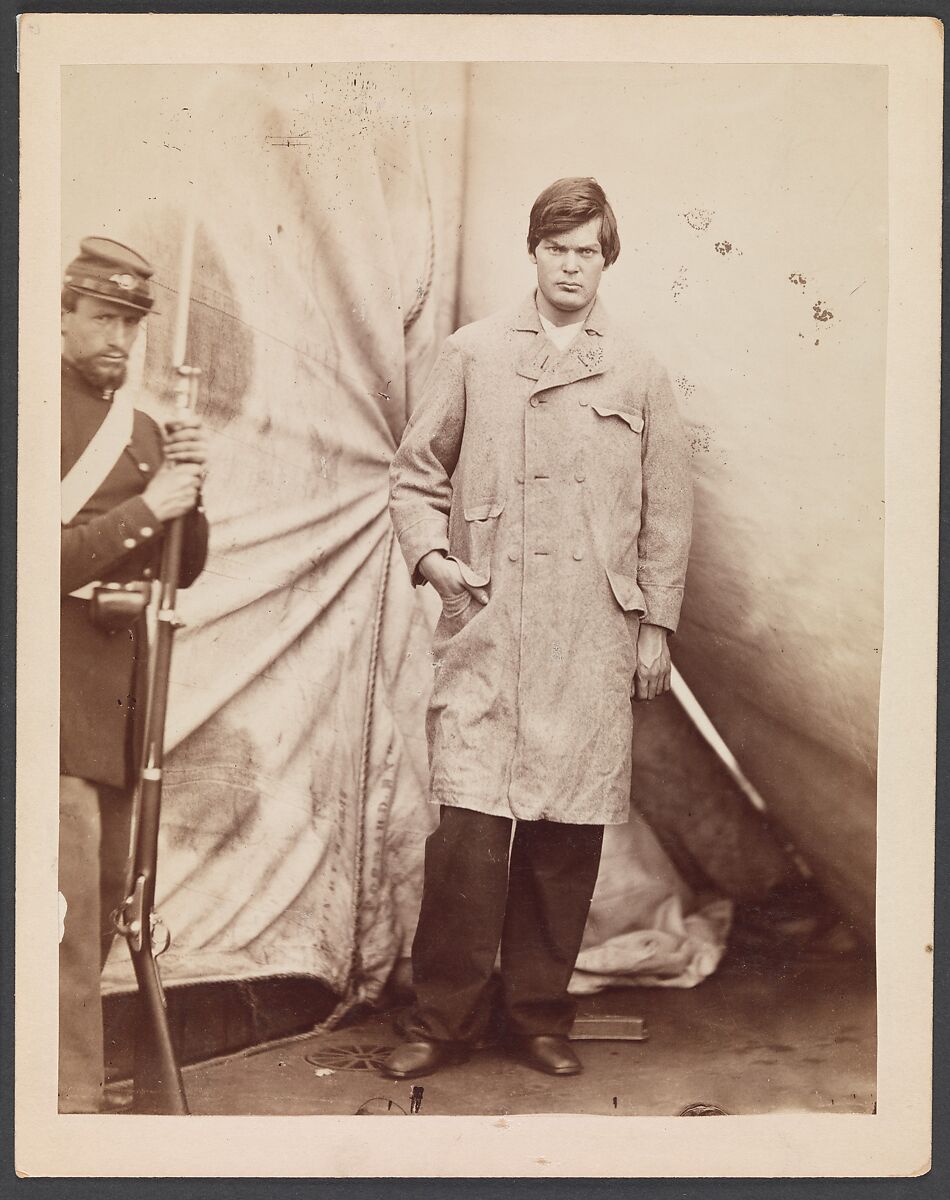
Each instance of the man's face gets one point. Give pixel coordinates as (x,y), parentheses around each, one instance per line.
(569,270)
(97,338)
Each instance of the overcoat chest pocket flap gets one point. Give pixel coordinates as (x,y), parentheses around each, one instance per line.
(633,420)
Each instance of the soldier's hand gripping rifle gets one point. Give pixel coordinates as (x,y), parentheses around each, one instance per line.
(158,1085)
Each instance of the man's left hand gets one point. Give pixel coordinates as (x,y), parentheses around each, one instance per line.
(185,440)
(652,677)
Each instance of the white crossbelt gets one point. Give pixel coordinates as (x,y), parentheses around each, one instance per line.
(85,593)
(97,460)
(88,591)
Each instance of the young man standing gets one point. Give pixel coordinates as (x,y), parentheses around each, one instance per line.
(543,488)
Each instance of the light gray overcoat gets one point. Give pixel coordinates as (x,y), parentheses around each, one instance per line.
(561,484)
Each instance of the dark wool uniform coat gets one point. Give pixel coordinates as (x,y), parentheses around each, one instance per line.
(560,482)
(113,538)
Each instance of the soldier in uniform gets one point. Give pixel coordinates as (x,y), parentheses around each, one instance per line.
(122,479)
(543,488)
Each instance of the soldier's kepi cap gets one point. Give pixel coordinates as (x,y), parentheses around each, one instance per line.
(111,271)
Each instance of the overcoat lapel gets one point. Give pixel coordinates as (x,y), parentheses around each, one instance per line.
(586,357)
(535,350)
(540,361)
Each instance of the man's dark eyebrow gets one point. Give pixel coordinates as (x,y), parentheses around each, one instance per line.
(560,245)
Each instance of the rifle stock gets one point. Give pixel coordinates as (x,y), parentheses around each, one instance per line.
(158,1086)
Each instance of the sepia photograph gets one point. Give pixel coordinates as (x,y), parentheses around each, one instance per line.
(474,547)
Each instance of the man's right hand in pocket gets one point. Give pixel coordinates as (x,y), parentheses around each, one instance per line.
(445,575)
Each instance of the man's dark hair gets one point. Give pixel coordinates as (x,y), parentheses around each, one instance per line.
(570,202)
(67,301)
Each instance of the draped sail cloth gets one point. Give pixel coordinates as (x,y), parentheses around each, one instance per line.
(295,803)
(645,925)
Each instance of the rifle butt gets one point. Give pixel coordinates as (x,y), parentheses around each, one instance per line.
(157,1082)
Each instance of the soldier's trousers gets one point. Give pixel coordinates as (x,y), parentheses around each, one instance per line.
(94,822)
(532,903)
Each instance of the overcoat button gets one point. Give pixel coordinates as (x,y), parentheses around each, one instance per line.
(513,554)
(129,543)
(534,402)
(519,478)
(146,531)
(578,555)
(580,476)
(144,467)
(583,402)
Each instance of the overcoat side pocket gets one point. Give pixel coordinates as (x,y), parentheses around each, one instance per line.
(627,592)
(474,540)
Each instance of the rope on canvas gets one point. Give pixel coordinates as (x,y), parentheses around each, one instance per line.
(352,993)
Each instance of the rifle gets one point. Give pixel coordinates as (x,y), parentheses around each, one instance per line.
(157,1086)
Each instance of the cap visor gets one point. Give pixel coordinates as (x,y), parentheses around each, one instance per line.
(142,308)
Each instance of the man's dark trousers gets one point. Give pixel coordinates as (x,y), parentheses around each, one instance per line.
(473,900)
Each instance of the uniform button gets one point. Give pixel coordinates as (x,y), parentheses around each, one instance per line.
(519,478)
(147,573)
(579,476)
(578,555)
(583,402)
(534,402)
(144,467)
(146,531)
(129,543)
(513,554)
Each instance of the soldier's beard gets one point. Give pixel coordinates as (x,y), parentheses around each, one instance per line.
(108,376)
